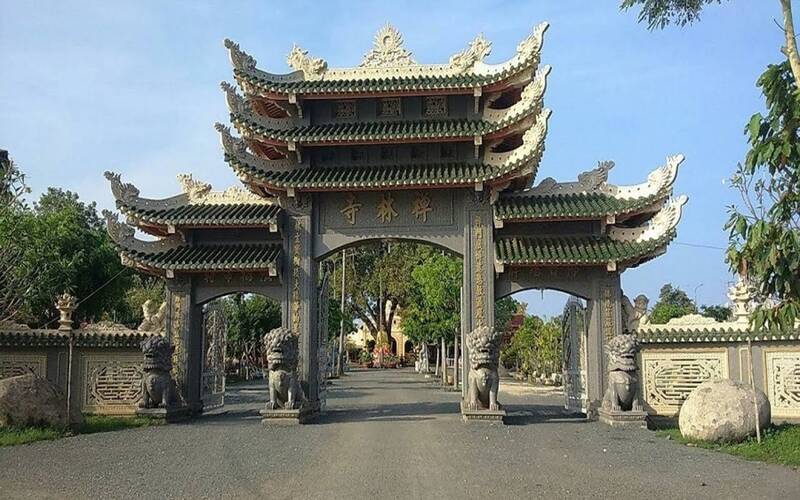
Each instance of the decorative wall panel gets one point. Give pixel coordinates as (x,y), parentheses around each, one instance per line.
(669,376)
(783,382)
(111,382)
(14,364)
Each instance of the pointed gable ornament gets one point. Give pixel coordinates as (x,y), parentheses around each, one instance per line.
(388,50)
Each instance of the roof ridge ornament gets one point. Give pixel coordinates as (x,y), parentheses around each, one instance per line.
(664,221)
(239,58)
(236,103)
(476,52)
(313,68)
(192,187)
(232,145)
(533,43)
(124,192)
(122,235)
(588,181)
(388,50)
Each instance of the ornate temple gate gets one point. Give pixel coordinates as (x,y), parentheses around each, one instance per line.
(214,346)
(574,336)
(407,152)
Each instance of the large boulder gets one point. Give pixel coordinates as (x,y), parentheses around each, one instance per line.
(30,400)
(722,410)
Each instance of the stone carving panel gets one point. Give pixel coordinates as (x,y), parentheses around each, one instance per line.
(434,106)
(14,364)
(783,382)
(112,382)
(669,376)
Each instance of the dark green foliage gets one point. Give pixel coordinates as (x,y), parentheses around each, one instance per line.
(719,313)
(433,310)
(61,245)
(249,317)
(504,309)
(12,182)
(659,14)
(672,303)
(142,288)
(765,231)
(535,347)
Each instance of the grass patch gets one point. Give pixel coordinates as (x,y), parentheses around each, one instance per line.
(11,436)
(103,423)
(780,444)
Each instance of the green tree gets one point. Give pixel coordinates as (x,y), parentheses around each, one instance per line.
(535,347)
(764,232)
(61,245)
(249,317)
(504,310)
(433,308)
(378,275)
(719,313)
(142,288)
(12,182)
(672,303)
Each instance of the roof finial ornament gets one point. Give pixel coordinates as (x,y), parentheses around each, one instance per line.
(239,58)
(236,104)
(124,192)
(477,51)
(192,187)
(388,50)
(119,231)
(230,144)
(533,44)
(312,67)
(664,221)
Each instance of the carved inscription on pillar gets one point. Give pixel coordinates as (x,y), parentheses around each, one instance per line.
(297,266)
(480,270)
(176,329)
(608,313)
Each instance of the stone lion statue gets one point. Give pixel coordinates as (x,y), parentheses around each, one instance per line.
(623,379)
(280,347)
(483,381)
(158,387)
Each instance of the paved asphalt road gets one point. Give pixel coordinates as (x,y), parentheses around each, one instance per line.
(387,434)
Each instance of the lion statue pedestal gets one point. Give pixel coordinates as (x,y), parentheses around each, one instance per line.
(287,403)
(160,397)
(483,381)
(622,405)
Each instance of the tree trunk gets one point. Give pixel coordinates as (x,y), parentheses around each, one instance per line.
(444,363)
(790,50)
(438,358)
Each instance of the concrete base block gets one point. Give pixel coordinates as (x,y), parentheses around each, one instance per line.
(169,415)
(623,418)
(489,416)
(287,417)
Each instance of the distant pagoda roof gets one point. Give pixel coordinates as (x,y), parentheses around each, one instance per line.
(388,68)
(171,254)
(619,245)
(590,197)
(197,206)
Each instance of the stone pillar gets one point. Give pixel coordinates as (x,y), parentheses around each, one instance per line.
(477,305)
(300,303)
(605,322)
(184,330)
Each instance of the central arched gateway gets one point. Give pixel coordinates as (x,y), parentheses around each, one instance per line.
(392,149)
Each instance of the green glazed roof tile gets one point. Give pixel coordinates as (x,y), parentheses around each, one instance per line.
(223,257)
(572,205)
(573,250)
(240,214)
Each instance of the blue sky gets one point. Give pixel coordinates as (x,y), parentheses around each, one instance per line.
(133,87)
